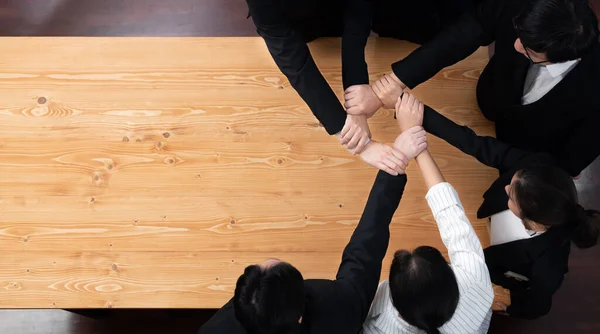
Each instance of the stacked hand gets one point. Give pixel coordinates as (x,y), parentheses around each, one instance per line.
(412,142)
(355,134)
(384,157)
(409,112)
(361,100)
(388,88)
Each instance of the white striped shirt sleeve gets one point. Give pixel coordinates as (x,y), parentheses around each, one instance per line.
(464,248)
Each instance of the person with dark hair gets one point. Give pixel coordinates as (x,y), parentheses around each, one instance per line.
(539,87)
(273,297)
(424,293)
(534,215)
(287,26)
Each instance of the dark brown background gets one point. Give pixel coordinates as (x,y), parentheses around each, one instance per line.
(576,306)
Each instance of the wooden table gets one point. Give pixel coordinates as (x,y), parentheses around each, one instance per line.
(148,172)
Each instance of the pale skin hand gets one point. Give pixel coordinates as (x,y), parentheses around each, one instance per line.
(361,100)
(388,89)
(384,157)
(355,133)
(412,142)
(409,111)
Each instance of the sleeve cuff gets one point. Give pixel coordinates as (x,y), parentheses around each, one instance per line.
(442,196)
(401,71)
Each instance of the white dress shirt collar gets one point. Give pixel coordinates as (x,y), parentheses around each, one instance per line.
(559,69)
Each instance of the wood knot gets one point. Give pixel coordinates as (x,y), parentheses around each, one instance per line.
(25,239)
(232,222)
(166,135)
(28,270)
(126,139)
(279,161)
(114,267)
(280,87)
(92,200)
(109,305)
(109,166)
(42,100)
(340,205)
(170,161)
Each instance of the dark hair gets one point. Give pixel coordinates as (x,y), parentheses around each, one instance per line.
(547,195)
(269,301)
(563,29)
(423,288)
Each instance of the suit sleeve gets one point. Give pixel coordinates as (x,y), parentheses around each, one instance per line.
(487,150)
(474,29)
(293,58)
(357,28)
(582,147)
(360,268)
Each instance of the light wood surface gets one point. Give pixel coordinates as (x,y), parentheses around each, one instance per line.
(148,172)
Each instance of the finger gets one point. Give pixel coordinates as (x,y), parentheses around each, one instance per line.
(360,147)
(396,166)
(402,159)
(406,101)
(351,89)
(351,103)
(350,94)
(421,139)
(411,101)
(386,79)
(347,127)
(351,145)
(399,103)
(386,169)
(354,110)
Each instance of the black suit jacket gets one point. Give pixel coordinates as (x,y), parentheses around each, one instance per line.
(543,259)
(562,123)
(286,26)
(341,305)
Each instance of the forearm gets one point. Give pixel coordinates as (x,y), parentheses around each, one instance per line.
(362,257)
(429,168)
(357,27)
(450,46)
(293,58)
(487,150)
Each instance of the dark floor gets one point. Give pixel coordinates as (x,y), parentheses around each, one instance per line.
(575,310)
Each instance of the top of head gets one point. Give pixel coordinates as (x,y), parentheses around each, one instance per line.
(269,300)
(562,29)
(423,288)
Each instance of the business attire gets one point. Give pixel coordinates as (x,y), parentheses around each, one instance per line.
(416,21)
(473,312)
(286,27)
(341,305)
(553,109)
(531,268)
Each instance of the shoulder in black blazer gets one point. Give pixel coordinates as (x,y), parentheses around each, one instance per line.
(341,305)
(543,259)
(563,123)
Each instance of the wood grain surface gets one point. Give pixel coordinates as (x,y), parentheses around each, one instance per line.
(147,172)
